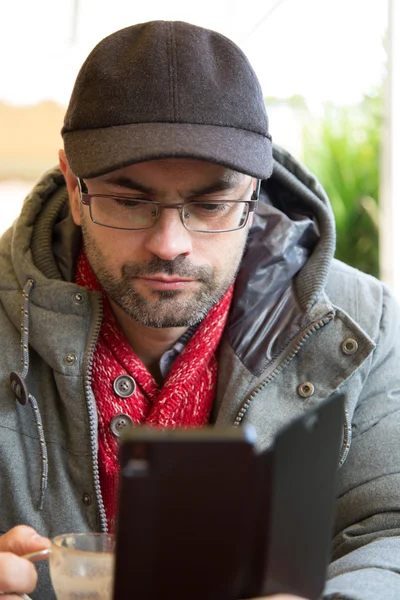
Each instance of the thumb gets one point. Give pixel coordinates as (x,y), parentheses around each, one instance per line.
(23,540)
(279,597)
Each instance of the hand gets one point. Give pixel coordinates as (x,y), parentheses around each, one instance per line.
(285,597)
(18,574)
(280,597)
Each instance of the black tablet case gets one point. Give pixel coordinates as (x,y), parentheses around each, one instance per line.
(203,516)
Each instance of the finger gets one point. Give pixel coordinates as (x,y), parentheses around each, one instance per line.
(278,597)
(285,597)
(14,596)
(16,574)
(22,540)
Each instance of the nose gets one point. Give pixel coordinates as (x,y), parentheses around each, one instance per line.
(168,238)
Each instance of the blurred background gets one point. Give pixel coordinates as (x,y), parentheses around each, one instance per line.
(328,70)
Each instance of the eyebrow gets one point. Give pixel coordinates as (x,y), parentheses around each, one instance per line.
(127,183)
(228,181)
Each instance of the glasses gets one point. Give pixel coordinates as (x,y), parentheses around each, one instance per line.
(202,215)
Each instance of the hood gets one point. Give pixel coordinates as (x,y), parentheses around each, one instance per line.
(282,274)
(34,258)
(284,269)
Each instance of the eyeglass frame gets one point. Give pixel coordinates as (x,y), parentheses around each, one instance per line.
(86,199)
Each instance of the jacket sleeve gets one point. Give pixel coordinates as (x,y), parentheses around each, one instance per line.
(366,545)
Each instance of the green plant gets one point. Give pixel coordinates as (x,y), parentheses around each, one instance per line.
(343,151)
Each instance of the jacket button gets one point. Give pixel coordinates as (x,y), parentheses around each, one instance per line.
(78,298)
(349,346)
(19,388)
(119,423)
(70,359)
(124,386)
(87,499)
(306,389)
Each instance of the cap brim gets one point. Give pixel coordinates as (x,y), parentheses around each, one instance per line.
(94,152)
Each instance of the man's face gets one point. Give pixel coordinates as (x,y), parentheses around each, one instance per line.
(165,276)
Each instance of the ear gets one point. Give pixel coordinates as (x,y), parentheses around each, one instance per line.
(72,187)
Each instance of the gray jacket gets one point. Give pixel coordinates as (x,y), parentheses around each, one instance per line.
(298,316)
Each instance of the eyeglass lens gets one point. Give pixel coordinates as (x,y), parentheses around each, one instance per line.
(197,216)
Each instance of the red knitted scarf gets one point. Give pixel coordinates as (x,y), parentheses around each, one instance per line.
(185,399)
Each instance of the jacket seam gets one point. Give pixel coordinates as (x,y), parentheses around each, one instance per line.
(53,442)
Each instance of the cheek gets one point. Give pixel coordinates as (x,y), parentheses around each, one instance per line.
(77,210)
(113,247)
(224,251)
(98,241)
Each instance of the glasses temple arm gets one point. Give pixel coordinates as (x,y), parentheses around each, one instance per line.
(82,186)
(256,193)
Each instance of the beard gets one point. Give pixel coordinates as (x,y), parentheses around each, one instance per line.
(172,308)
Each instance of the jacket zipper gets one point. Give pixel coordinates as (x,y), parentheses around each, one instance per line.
(298,343)
(346,438)
(91,404)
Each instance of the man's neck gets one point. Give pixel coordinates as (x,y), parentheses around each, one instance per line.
(149,343)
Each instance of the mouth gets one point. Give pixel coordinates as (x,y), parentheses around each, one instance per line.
(165,282)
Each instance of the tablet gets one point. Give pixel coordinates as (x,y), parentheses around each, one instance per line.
(203,516)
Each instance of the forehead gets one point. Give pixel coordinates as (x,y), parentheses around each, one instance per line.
(175,172)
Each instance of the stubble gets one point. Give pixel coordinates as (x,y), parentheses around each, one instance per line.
(163,308)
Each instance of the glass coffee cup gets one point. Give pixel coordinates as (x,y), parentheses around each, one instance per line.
(81,565)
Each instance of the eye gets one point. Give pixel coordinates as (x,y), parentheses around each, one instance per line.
(212,207)
(128,203)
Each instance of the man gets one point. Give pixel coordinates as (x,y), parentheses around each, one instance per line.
(152,281)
